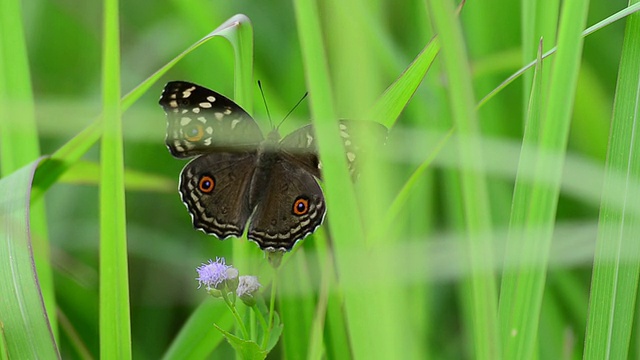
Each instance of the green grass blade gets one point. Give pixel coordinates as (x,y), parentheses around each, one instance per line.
(343,214)
(591,29)
(115,319)
(520,320)
(66,156)
(617,259)
(25,326)
(19,144)
(517,250)
(474,189)
(388,107)
(198,338)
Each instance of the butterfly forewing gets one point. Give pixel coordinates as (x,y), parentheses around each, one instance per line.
(201,121)
(357,137)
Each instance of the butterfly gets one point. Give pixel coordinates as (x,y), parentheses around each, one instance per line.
(239,177)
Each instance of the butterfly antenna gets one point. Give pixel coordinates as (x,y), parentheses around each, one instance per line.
(264,100)
(289,113)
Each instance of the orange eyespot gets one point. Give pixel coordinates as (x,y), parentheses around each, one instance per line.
(301,206)
(206,184)
(194,132)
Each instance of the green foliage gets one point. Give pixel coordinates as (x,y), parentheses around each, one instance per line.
(517,187)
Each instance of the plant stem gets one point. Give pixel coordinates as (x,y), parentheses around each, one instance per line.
(274,285)
(232,307)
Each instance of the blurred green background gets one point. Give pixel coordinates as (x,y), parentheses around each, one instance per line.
(64,45)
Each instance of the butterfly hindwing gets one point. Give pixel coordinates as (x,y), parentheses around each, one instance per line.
(200,120)
(215,188)
(290,206)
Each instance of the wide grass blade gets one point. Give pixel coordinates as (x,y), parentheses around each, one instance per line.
(19,144)
(198,338)
(614,285)
(25,325)
(522,294)
(475,201)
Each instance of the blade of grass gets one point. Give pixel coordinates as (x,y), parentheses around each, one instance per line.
(591,29)
(63,158)
(388,107)
(197,338)
(19,143)
(617,259)
(516,250)
(115,319)
(343,215)
(24,323)
(522,300)
(473,183)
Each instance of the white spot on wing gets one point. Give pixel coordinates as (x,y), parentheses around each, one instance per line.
(309,140)
(351,156)
(187,92)
(205,105)
(173,103)
(211,98)
(234,123)
(185,121)
(343,127)
(196,110)
(202,119)
(218,115)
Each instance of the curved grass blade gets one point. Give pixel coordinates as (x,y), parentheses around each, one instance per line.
(19,144)
(23,318)
(60,161)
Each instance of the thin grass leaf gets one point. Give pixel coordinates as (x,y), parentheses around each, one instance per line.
(591,29)
(88,173)
(388,107)
(517,250)
(520,313)
(115,320)
(473,183)
(612,305)
(24,322)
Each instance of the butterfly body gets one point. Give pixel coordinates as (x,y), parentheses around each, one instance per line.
(238,179)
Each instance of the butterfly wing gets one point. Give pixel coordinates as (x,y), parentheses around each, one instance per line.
(215,188)
(291,206)
(356,136)
(200,121)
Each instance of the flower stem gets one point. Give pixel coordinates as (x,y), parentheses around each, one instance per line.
(274,285)
(232,307)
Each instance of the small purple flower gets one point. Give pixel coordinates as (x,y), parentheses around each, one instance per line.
(247,286)
(212,274)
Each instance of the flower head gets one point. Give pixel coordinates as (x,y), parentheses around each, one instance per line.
(212,274)
(247,286)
